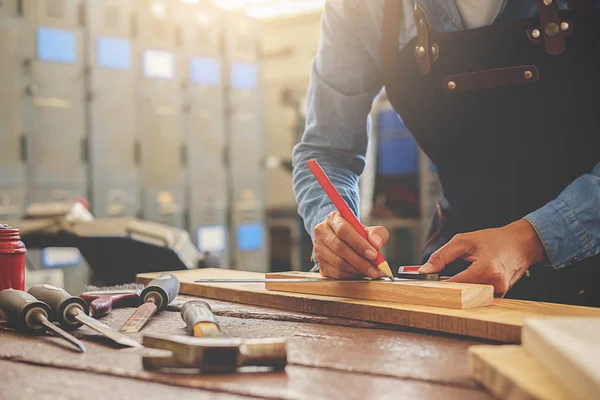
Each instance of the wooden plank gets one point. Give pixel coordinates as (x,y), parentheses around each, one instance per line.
(425,293)
(569,349)
(501,321)
(510,373)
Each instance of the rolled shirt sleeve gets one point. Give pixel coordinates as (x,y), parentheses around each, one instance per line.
(345,78)
(569,226)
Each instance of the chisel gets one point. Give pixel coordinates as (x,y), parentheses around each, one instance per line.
(154,298)
(200,320)
(71,312)
(25,313)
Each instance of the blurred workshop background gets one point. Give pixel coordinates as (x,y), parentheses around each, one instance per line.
(183,113)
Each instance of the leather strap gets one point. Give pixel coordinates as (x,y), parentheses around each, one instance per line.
(423,50)
(389,41)
(554,38)
(491,78)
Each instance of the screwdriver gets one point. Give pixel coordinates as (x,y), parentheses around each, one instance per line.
(25,313)
(200,320)
(71,312)
(154,298)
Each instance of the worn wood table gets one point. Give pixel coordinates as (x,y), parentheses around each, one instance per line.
(329,358)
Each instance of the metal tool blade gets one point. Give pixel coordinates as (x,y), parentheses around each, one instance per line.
(65,335)
(138,319)
(106,330)
(401,277)
(259,280)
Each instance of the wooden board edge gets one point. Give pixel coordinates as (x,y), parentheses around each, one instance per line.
(487,367)
(352,309)
(466,297)
(496,383)
(540,345)
(479,296)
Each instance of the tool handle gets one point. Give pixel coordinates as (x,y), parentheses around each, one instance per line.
(194,312)
(339,203)
(165,287)
(101,305)
(263,353)
(62,304)
(19,306)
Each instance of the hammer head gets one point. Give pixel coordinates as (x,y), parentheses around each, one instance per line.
(214,354)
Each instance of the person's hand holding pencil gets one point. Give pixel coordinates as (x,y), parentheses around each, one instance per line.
(344,247)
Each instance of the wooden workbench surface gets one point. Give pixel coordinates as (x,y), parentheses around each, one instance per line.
(329,358)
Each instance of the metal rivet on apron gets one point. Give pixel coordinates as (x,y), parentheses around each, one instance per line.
(451,85)
(420,51)
(535,33)
(528,273)
(582,292)
(433,50)
(552,29)
(527,74)
(547,2)
(564,26)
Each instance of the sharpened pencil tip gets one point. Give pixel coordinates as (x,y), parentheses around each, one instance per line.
(385,268)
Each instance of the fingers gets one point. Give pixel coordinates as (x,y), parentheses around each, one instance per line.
(338,258)
(455,248)
(331,271)
(377,235)
(485,273)
(344,231)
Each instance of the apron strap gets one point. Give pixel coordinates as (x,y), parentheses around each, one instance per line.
(392,12)
(554,38)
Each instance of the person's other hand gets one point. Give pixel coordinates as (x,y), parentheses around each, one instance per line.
(499,256)
(342,253)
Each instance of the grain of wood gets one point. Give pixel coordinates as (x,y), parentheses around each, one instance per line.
(501,321)
(425,293)
(569,348)
(510,373)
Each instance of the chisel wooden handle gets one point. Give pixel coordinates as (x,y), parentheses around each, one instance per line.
(196,312)
(164,288)
(102,304)
(61,303)
(18,306)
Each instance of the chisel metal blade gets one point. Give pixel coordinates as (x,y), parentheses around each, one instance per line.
(138,319)
(107,331)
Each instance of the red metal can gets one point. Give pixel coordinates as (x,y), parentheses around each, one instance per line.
(12,259)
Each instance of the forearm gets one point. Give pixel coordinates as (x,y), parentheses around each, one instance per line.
(569,226)
(343,170)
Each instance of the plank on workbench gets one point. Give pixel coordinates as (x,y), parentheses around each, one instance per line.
(425,293)
(501,321)
(569,349)
(510,373)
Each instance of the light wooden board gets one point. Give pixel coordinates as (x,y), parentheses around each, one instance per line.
(501,321)
(569,349)
(510,373)
(424,293)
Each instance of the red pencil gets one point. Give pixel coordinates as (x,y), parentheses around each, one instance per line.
(347,214)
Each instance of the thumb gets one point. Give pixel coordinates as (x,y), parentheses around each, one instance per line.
(377,235)
(452,250)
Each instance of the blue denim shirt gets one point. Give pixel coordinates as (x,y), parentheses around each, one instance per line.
(346,75)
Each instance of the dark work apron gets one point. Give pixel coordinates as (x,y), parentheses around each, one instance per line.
(510,115)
